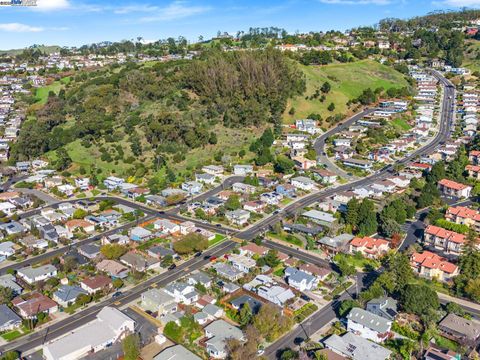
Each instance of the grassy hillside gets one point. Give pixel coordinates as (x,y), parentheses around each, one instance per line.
(347,82)
(472,55)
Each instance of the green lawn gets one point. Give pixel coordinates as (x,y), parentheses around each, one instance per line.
(401,124)
(347,82)
(357,261)
(11,335)
(217,240)
(287,238)
(41,94)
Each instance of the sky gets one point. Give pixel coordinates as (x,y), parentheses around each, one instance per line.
(79,22)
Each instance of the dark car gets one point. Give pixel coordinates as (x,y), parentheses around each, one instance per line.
(206,257)
(218,225)
(171,267)
(116,294)
(198,254)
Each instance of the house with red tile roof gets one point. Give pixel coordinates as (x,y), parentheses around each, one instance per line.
(449,241)
(474,157)
(473,171)
(369,247)
(464,215)
(433,266)
(420,166)
(453,188)
(32,304)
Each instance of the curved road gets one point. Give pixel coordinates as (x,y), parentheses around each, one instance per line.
(319,144)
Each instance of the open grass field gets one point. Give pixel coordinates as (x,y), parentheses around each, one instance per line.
(347,82)
(401,124)
(41,95)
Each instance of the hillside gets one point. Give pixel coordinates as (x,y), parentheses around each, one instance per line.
(347,82)
(42,48)
(144,121)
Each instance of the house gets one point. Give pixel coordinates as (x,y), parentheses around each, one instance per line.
(303,183)
(200,278)
(356,347)
(307,125)
(335,245)
(385,307)
(82,183)
(205,178)
(369,247)
(31,275)
(368,325)
(464,215)
(320,273)
(115,239)
(432,266)
(90,251)
(218,332)
(239,302)
(110,326)
(275,294)
(140,234)
(474,157)
(192,187)
(287,190)
(462,330)
(300,280)
(182,292)
(238,217)
(113,268)
(166,226)
(113,183)
(34,303)
(320,217)
(158,301)
(140,262)
(7,208)
(79,224)
(242,263)
(216,170)
(473,171)
(177,352)
(242,170)
(9,281)
(453,188)
(228,272)
(67,295)
(186,227)
(7,248)
(325,176)
(244,188)
(434,353)
(255,206)
(160,252)
(253,249)
(155,200)
(66,189)
(385,186)
(12,228)
(358,163)
(445,240)
(9,320)
(96,283)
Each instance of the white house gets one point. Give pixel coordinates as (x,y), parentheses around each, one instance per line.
(303,183)
(110,326)
(368,325)
(182,292)
(242,170)
(300,280)
(32,275)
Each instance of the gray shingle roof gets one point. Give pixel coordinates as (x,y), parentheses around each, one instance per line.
(369,320)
